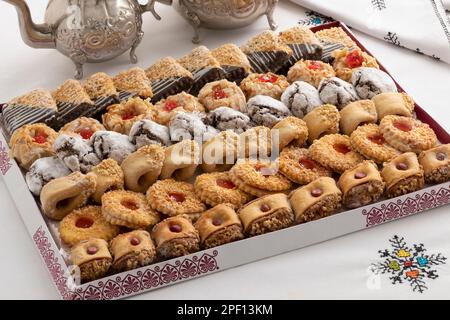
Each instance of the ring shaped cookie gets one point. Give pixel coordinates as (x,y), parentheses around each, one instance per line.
(181,160)
(109,177)
(290,130)
(219,153)
(322,121)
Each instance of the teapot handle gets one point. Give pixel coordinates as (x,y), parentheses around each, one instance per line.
(150,6)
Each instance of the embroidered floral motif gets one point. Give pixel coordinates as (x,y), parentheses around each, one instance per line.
(314,19)
(379,4)
(392,37)
(408,264)
(5,161)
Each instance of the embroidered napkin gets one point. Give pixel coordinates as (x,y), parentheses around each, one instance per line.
(419,25)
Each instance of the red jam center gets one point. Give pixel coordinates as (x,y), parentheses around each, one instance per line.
(313,65)
(135,241)
(402,166)
(341,148)
(177,197)
(92,250)
(84,222)
(403,126)
(174,227)
(219,93)
(268,78)
(86,133)
(227,184)
(360,175)
(40,138)
(129,204)
(377,139)
(354,59)
(441,156)
(264,207)
(217,221)
(128,116)
(170,105)
(307,163)
(316,193)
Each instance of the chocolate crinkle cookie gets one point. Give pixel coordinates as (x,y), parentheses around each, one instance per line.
(76,153)
(301,98)
(44,170)
(369,82)
(145,132)
(337,92)
(225,118)
(190,125)
(112,145)
(266,111)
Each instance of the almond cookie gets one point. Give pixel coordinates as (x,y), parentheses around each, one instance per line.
(175,237)
(100,88)
(217,187)
(143,167)
(180,160)
(92,257)
(61,196)
(84,127)
(128,209)
(316,200)
(266,214)
(334,152)
(407,134)
(266,84)
(369,82)
(219,153)
(345,61)
(361,185)
(255,143)
(167,108)
(310,71)
(133,82)
(322,121)
(393,103)
(85,223)
(218,226)
(436,164)
(109,176)
(259,178)
(290,130)
(233,61)
(357,113)
(369,141)
(296,165)
(403,175)
(222,93)
(132,250)
(31,142)
(173,198)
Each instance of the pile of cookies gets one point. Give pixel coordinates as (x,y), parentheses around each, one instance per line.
(287,129)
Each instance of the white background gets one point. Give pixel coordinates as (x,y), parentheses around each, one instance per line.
(334,269)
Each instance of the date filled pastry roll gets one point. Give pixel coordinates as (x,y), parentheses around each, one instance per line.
(403,175)
(393,103)
(175,237)
(346,61)
(109,176)
(361,185)
(290,130)
(218,226)
(333,39)
(100,88)
(357,113)
(266,214)
(316,200)
(322,121)
(436,164)
(233,61)
(92,257)
(268,84)
(220,153)
(132,83)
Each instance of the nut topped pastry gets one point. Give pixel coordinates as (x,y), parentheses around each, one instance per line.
(356,113)
(436,164)
(345,61)
(268,84)
(310,71)
(167,108)
(222,93)
(100,88)
(109,176)
(133,82)
(321,121)
(233,61)
(84,127)
(393,103)
(333,39)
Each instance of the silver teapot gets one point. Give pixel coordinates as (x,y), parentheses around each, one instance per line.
(87,30)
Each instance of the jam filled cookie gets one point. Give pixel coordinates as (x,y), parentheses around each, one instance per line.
(296,165)
(322,121)
(289,130)
(121,117)
(357,113)
(255,143)
(76,153)
(44,170)
(100,88)
(181,160)
(337,92)
(222,93)
(190,126)
(266,214)
(85,223)
(334,152)
(316,200)
(61,196)
(84,127)
(233,61)
(259,178)
(92,257)
(333,39)
(133,82)
(216,188)
(113,145)
(266,111)
(267,84)
(345,61)
(436,164)
(224,118)
(132,250)
(167,108)
(218,226)
(128,209)
(361,185)
(31,142)
(109,176)
(175,237)
(220,153)
(173,198)
(168,77)
(310,71)
(369,82)
(146,132)
(403,175)
(301,98)
(143,167)
(407,134)
(393,103)
(369,141)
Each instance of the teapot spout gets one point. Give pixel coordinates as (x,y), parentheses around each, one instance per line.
(34,35)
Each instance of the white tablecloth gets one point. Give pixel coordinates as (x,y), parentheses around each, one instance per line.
(334,269)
